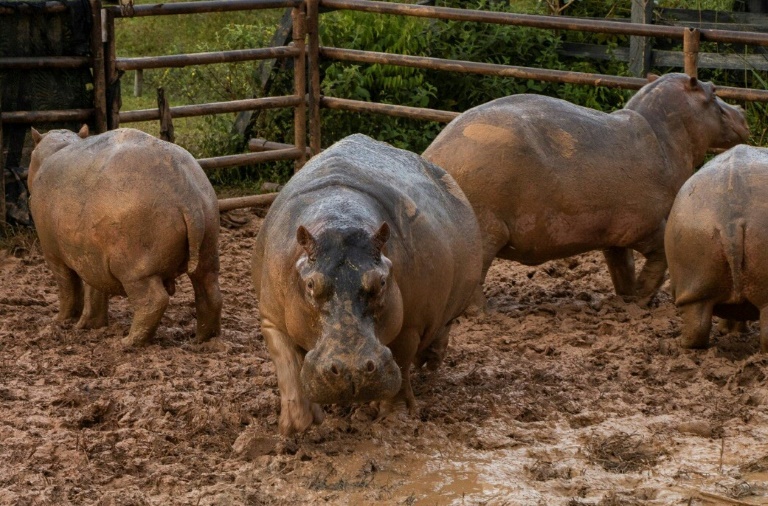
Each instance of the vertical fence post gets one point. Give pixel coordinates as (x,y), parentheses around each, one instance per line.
(640,47)
(138,83)
(97,64)
(300,83)
(112,77)
(691,39)
(2,176)
(166,121)
(314,75)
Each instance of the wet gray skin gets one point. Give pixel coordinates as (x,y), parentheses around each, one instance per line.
(346,278)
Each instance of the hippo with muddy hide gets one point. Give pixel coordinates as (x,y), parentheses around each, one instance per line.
(717,245)
(364,259)
(549,179)
(124,213)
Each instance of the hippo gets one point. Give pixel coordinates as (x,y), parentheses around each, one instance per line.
(363,261)
(124,213)
(549,179)
(717,245)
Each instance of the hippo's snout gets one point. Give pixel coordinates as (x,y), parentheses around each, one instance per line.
(330,377)
(736,126)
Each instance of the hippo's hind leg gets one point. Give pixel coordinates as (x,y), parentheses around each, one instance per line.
(95,309)
(621,265)
(296,412)
(764,330)
(149,299)
(652,275)
(70,290)
(697,322)
(726,326)
(207,304)
(432,355)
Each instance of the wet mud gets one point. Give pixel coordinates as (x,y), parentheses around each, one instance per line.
(561,393)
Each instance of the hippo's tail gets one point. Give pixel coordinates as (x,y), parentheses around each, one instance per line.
(732,240)
(195,221)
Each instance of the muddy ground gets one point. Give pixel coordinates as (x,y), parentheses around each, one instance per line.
(560,394)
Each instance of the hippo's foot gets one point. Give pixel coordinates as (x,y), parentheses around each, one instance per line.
(91,322)
(297,416)
(645,302)
(726,327)
(64,318)
(386,407)
(131,341)
(477,303)
(697,322)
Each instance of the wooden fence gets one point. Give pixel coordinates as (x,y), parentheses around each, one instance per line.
(306,52)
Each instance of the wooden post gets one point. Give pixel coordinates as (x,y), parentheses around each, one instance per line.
(300,84)
(138,83)
(691,39)
(314,75)
(166,121)
(640,47)
(112,76)
(2,177)
(97,64)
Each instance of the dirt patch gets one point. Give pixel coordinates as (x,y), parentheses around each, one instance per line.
(556,371)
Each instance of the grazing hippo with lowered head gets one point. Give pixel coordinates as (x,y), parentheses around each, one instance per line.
(717,244)
(364,259)
(549,179)
(126,214)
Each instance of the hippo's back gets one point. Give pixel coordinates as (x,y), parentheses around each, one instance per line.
(432,222)
(414,194)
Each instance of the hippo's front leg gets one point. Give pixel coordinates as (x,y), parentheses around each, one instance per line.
(403,349)
(95,310)
(296,412)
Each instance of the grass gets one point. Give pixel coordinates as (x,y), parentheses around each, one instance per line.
(190,33)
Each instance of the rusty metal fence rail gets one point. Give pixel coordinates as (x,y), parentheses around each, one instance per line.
(306,52)
(691,38)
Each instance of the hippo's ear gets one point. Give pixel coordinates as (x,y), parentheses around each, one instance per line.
(83,133)
(652,77)
(692,83)
(307,242)
(36,136)
(381,236)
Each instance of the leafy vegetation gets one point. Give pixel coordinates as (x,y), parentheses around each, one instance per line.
(527,47)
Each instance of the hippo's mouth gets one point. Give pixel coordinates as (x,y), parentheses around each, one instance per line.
(346,390)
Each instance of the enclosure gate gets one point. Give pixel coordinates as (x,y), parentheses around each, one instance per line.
(306,51)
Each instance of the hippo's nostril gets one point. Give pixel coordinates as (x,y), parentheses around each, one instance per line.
(334,370)
(370,366)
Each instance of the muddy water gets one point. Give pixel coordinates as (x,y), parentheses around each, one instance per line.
(560,394)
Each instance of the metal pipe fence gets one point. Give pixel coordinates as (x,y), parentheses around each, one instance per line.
(306,52)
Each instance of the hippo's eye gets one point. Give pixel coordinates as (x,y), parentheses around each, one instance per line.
(311,285)
(383,282)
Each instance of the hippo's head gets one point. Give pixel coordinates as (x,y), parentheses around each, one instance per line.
(347,279)
(691,109)
(49,143)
